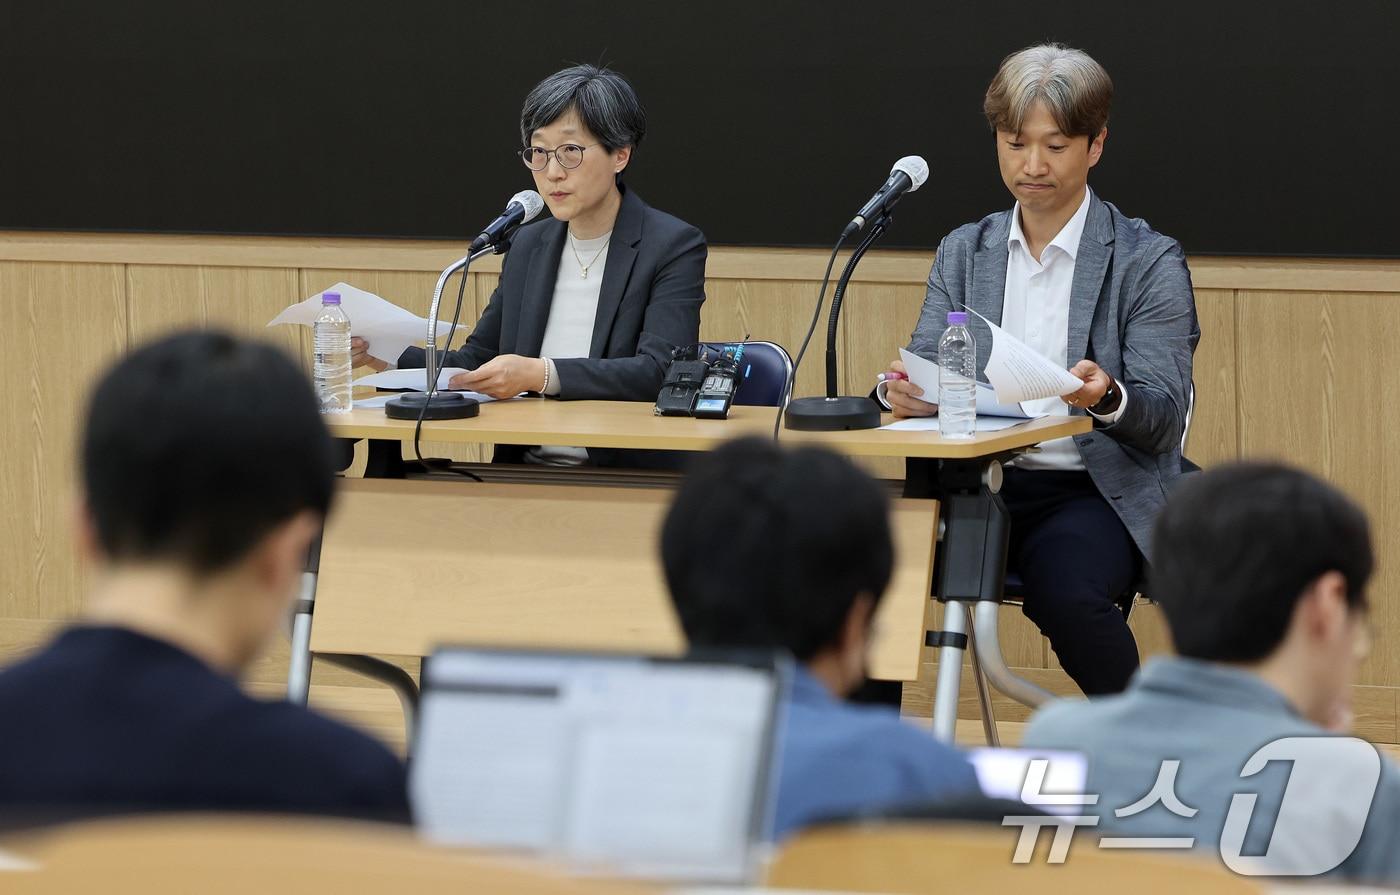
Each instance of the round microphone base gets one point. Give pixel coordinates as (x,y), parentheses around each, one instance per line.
(440,406)
(832,414)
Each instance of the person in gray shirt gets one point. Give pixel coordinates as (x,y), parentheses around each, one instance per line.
(1235,745)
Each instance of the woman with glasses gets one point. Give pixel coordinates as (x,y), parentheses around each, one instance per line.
(592,303)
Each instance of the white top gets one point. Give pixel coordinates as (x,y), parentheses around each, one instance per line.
(1035,309)
(569,330)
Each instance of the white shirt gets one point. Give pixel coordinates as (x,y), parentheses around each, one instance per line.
(1035,309)
(569,330)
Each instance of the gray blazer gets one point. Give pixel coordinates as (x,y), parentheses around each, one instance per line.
(1132,312)
(1211,718)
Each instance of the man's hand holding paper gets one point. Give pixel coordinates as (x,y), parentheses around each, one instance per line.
(1020,373)
(907,398)
(1096,383)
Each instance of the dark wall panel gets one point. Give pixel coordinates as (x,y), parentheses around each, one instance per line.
(1239,128)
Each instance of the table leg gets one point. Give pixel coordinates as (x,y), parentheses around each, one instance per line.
(299,665)
(970,563)
(953,642)
(385,460)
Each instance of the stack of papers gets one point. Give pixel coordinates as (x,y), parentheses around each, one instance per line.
(388,328)
(1020,373)
(413,380)
(1016,373)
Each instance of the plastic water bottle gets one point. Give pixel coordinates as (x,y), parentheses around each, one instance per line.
(331,337)
(957,379)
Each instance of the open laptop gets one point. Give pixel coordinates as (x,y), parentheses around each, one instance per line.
(659,768)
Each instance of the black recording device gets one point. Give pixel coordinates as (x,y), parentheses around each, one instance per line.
(717,391)
(701,382)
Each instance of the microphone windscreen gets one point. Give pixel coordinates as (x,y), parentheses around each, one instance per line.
(532,203)
(915,167)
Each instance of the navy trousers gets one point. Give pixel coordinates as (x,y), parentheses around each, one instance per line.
(1076,560)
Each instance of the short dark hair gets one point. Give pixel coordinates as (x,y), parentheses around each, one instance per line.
(199,444)
(606,104)
(769,547)
(1236,547)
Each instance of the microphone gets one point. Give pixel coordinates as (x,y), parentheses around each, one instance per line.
(523,206)
(907,175)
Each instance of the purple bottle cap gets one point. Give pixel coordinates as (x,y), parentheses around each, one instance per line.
(333,298)
(957,318)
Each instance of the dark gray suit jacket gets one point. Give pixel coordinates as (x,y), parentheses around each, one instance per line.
(649,303)
(1132,312)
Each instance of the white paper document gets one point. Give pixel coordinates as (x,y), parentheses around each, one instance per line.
(924,374)
(375,402)
(410,378)
(388,328)
(930,424)
(1020,373)
(413,379)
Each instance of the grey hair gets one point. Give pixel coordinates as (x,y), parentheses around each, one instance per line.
(606,104)
(1074,88)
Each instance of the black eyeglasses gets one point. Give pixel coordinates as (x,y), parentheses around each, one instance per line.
(569,155)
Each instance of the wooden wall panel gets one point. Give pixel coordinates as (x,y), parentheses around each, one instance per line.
(777,310)
(879,319)
(62,324)
(1214,436)
(1318,388)
(1298,375)
(162,299)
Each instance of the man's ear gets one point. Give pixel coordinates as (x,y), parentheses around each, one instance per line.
(1096,147)
(1323,610)
(856,629)
(281,555)
(84,527)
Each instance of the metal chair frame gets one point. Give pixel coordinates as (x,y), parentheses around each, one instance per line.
(989,668)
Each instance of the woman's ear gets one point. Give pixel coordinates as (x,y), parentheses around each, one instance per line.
(620,159)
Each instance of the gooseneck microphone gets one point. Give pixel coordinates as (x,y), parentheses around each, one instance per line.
(522,208)
(907,175)
(834,412)
(430,403)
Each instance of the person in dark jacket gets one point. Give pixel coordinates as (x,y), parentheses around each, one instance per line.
(592,302)
(206,472)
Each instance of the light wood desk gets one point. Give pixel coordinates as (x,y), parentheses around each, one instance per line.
(631,424)
(215,854)
(408,565)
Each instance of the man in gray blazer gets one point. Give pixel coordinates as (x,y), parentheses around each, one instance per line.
(1110,299)
(1261,571)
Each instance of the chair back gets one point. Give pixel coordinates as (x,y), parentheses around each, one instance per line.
(918,858)
(766,369)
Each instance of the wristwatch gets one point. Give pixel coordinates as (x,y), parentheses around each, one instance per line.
(1110,400)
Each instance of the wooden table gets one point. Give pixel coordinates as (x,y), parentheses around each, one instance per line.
(631,424)
(407,565)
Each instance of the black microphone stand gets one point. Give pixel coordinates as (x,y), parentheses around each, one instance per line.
(432,404)
(834,413)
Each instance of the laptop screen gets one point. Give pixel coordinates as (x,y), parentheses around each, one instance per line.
(1051,780)
(659,768)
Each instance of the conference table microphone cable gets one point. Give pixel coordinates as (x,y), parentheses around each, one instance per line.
(816,316)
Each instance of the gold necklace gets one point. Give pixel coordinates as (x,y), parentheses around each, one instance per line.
(583,268)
